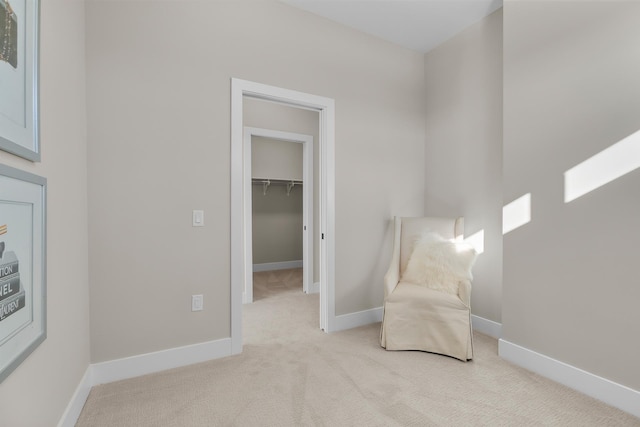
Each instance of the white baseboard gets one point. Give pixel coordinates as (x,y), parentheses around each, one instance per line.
(486,326)
(74,408)
(614,394)
(269,266)
(361,318)
(315,288)
(354,320)
(135,366)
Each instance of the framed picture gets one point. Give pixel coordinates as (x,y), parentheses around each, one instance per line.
(23,316)
(19,22)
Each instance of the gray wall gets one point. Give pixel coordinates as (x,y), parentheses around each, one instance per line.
(38,391)
(277,216)
(277,225)
(159,147)
(463,152)
(571,89)
(276,159)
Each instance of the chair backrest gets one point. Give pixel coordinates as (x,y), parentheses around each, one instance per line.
(413,228)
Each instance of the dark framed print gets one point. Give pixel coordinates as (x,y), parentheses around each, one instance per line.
(19,43)
(23,316)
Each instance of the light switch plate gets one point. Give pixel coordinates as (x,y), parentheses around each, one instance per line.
(197,302)
(198,218)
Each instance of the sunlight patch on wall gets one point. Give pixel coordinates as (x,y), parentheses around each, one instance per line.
(477,241)
(602,168)
(516,214)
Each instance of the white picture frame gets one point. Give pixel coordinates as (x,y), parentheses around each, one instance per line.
(19,73)
(23,314)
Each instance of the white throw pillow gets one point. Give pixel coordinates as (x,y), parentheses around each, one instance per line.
(439,264)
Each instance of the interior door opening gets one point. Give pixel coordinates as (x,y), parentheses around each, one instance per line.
(241,90)
(275,167)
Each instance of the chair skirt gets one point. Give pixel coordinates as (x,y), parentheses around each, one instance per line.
(419,318)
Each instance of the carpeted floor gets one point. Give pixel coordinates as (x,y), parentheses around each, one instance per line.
(292,374)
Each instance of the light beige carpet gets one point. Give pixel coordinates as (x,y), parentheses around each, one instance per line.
(292,374)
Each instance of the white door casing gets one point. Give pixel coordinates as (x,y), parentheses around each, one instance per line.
(326,108)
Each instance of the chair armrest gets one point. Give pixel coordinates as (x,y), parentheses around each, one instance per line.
(464,292)
(391,279)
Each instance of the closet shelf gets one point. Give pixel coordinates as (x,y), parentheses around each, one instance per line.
(266,182)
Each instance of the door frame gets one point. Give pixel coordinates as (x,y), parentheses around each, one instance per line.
(326,109)
(307,205)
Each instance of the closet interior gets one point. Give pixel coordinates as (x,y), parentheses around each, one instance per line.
(277,204)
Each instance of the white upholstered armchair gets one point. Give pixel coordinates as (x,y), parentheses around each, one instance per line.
(427,317)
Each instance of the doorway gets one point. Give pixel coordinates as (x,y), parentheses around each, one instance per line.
(326,109)
(266,180)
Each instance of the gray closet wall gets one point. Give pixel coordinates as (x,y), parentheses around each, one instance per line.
(277,214)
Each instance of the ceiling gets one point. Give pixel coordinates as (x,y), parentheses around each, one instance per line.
(419,25)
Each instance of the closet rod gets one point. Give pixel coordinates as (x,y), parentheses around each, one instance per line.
(290,183)
(276,181)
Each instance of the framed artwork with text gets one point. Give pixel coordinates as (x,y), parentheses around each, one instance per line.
(19,41)
(23,316)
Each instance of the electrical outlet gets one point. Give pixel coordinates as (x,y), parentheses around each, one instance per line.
(198,218)
(197,302)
